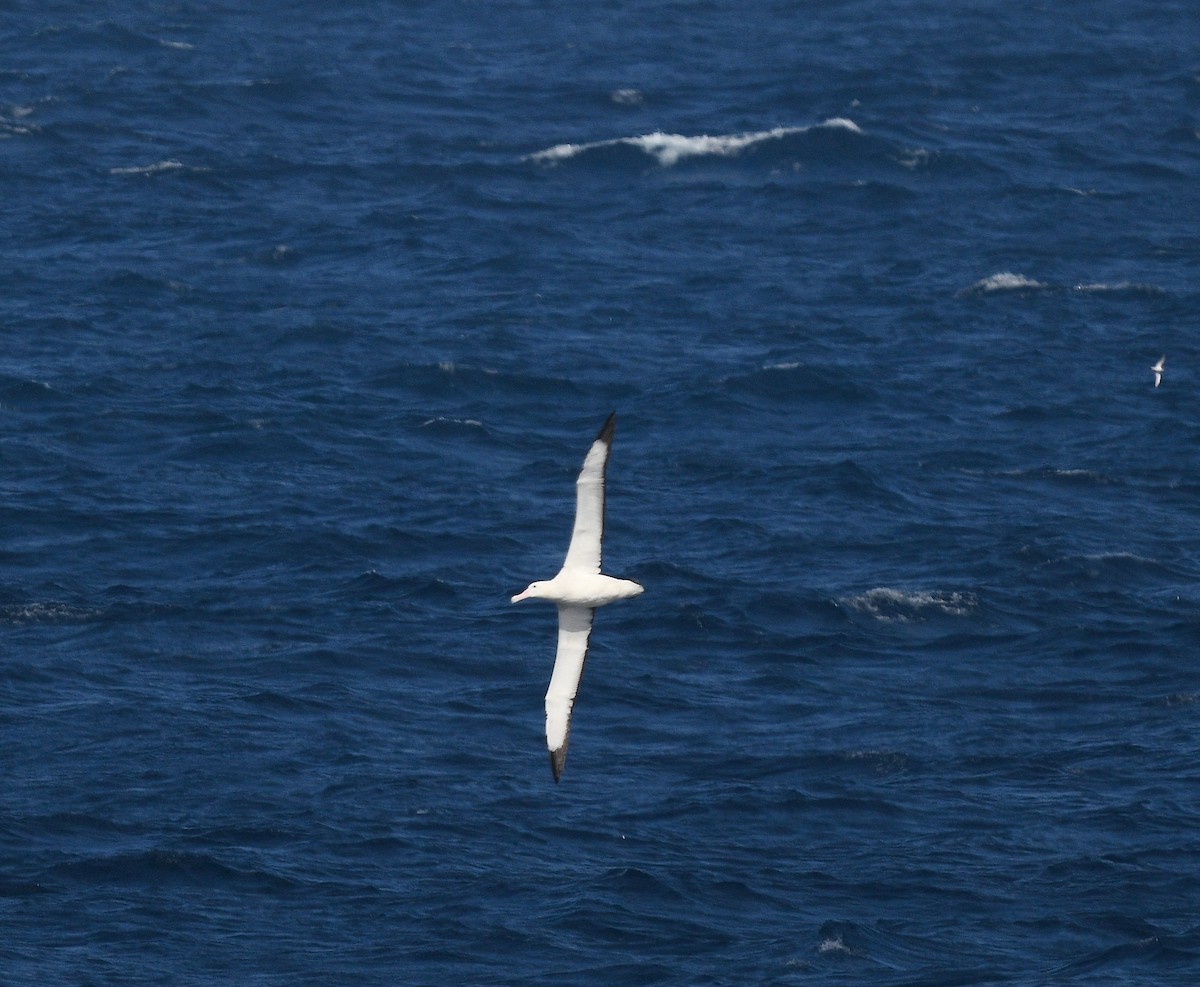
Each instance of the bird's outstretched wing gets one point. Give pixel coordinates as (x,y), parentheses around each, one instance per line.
(588,534)
(574,630)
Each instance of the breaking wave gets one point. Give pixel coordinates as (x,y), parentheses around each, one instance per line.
(1132,288)
(1004,281)
(902,606)
(1007,281)
(670,149)
(158,168)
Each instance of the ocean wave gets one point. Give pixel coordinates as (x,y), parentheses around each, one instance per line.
(1008,281)
(902,606)
(1072,475)
(47,613)
(1004,281)
(834,944)
(451,427)
(878,952)
(1118,557)
(455,378)
(16,392)
(158,168)
(787,379)
(1133,288)
(159,867)
(1097,565)
(13,121)
(670,149)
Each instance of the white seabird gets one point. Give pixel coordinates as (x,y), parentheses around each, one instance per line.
(577,590)
(1157,370)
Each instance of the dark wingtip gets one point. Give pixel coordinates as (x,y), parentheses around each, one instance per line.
(606,430)
(558,760)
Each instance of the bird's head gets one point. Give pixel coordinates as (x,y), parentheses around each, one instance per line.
(532,591)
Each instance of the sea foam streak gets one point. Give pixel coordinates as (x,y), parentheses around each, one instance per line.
(1004,281)
(1008,281)
(886,604)
(1122,287)
(669,149)
(153,169)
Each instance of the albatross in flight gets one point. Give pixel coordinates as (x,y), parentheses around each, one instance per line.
(577,590)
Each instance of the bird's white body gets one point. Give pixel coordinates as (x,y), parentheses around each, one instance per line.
(1157,370)
(577,590)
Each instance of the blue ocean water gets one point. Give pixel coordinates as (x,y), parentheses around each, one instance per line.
(310,315)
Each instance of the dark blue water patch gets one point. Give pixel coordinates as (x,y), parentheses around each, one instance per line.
(884,952)
(450,378)
(791,380)
(1162,954)
(161,868)
(17,394)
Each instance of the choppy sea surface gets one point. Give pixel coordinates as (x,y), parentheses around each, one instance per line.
(309,316)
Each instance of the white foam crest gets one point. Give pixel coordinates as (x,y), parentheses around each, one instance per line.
(152,169)
(915,158)
(52,612)
(670,149)
(1118,557)
(627,97)
(442,420)
(840,123)
(9,115)
(450,367)
(1004,281)
(895,605)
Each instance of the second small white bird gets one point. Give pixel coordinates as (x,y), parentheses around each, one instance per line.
(1157,370)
